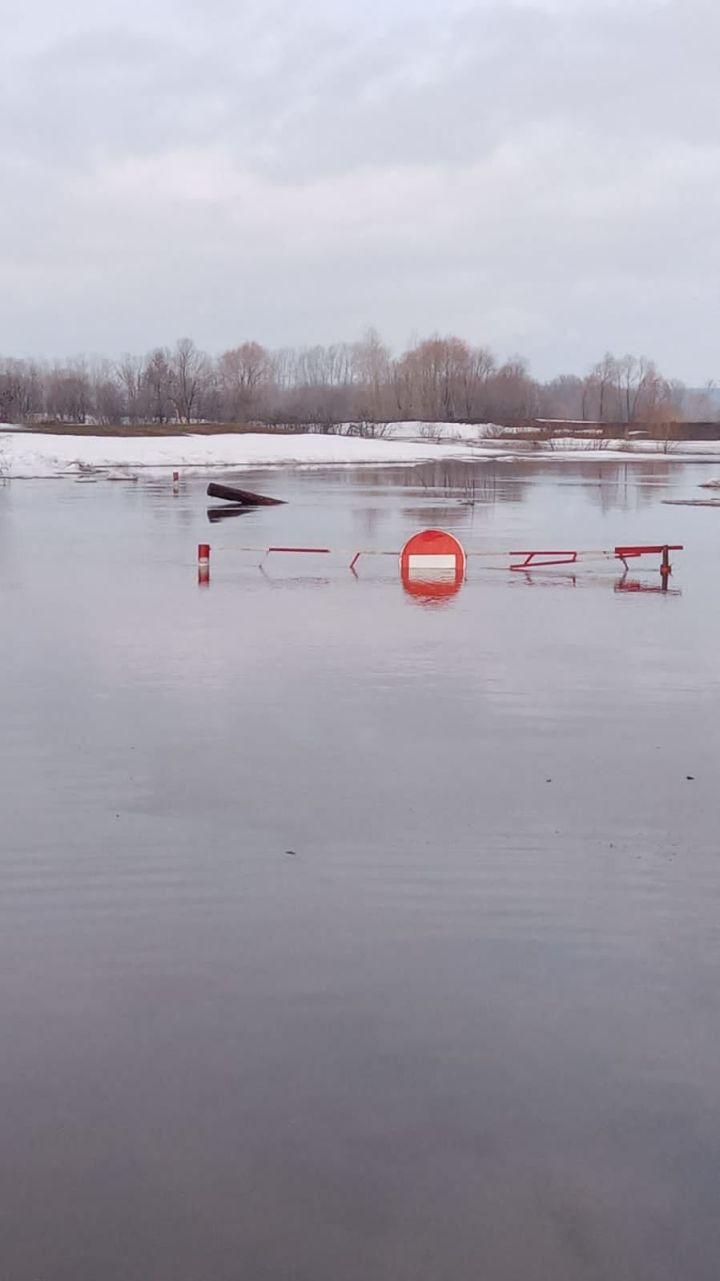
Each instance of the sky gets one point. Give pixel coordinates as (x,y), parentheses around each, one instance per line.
(541,177)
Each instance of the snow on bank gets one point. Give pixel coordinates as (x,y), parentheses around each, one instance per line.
(24,455)
(491,438)
(468,433)
(36,454)
(579,449)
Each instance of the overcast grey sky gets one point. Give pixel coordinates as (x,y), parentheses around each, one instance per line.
(542,177)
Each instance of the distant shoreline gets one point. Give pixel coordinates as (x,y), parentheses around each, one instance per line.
(534,431)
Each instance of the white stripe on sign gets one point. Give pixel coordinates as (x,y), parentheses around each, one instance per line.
(432,562)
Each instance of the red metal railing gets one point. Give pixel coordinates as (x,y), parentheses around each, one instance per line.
(528,559)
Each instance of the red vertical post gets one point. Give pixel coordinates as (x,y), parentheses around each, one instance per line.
(176,481)
(665,568)
(203,563)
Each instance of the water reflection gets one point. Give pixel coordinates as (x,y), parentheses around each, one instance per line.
(216,514)
(369,520)
(612,485)
(436,516)
(471,482)
(637,585)
(544,580)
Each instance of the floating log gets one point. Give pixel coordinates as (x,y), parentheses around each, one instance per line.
(243,497)
(215,514)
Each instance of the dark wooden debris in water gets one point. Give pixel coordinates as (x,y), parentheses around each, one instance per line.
(243,497)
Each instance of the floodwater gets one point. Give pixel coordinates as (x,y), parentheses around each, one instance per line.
(346,938)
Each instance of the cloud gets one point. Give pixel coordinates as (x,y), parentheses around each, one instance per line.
(538,176)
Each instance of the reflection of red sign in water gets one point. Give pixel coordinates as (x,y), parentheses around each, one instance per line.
(432,565)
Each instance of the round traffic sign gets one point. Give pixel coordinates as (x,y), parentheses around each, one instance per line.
(432,565)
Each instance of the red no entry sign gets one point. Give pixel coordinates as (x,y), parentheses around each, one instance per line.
(432,564)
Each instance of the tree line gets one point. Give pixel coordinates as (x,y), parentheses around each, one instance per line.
(439,379)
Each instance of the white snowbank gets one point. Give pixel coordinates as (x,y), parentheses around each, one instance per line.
(35,454)
(579,449)
(472,433)
(43,455)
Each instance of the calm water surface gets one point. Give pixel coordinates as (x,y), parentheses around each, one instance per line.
(470,1027)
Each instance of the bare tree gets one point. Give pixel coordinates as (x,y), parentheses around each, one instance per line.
(638,384)
(157,385)
(605,376)
(371,376)
(21,390)
(565,397)
(108,399)
(514,394)
(436,375)
(402,387)
(67,397)
(130,374)
(243,373)
(475,374)
(189,374)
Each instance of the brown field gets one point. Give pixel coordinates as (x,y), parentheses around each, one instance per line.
(158,429)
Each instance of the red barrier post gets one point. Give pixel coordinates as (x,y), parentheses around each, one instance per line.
(203,563)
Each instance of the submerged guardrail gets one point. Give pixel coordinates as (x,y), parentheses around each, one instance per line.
(436,562)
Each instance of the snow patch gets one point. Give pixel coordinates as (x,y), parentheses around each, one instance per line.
(46,455)
(104,457)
